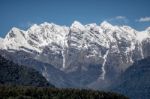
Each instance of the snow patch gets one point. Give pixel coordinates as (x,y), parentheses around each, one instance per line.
(102,76)
(142,35)
(141,50)
(45,73)
(64,58)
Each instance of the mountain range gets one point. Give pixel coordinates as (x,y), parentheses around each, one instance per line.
(84,56)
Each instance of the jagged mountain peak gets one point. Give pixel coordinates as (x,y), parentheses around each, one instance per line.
(34,27)
(77,25)
(106,24)
(14,32)
(91,25)
(46,28)
(15,29)
(47,33)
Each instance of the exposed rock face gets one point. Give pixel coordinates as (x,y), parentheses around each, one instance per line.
(80,55)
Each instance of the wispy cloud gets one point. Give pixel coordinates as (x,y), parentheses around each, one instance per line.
(144,19)
(120,17)
(119,20)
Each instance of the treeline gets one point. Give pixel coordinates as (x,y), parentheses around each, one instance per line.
(26,92)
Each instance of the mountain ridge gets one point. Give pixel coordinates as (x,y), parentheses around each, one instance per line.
(79,50)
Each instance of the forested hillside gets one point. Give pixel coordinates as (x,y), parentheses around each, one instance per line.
(13,74)
(13,92)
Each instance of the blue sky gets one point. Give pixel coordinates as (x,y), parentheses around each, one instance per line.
(24,13)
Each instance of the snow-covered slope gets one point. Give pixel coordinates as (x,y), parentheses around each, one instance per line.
(84,53)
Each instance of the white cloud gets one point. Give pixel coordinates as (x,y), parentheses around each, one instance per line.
(119,20)
(144,19)
(120,17)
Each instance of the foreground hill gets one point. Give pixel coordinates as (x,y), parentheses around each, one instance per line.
(13,92)
(13,74)
(135,82)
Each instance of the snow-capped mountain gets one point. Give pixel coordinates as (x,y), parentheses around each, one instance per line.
(79,55)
